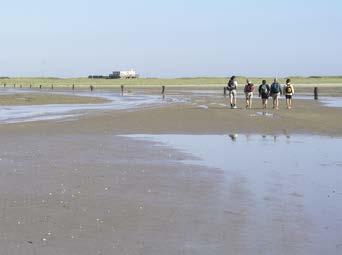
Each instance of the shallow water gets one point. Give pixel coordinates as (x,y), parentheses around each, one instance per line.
(332,101)
(24,113)
(295,183)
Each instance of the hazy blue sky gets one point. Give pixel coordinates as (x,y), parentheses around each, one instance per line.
(71,38)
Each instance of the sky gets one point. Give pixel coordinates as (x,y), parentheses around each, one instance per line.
(171,38)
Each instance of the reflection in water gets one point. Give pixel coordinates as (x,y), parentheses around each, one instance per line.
(262,114)
(285,132)
(274,137)
(249,137)
(233,137)
(295,187)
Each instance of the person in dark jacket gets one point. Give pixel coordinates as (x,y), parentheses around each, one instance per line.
(276,91)
(264,93)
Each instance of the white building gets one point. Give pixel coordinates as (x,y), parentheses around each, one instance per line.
(128,74)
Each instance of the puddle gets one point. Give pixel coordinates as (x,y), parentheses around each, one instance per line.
(262,114)
(332,101)
(295,182)
(202,106)
(25,113)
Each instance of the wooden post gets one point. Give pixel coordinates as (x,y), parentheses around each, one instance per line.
(21,86)
(4,85)
(91,87)
(30,86)
(316,93)
(40,86)
(14,85)
(73,86)
(163,92)
(122,90)
(224,91)
(52,86)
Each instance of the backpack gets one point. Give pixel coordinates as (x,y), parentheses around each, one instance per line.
(275,88)
(288,89)
(249,87)
(263,89)
(231,85)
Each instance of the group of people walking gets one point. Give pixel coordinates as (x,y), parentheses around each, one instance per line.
(275,90)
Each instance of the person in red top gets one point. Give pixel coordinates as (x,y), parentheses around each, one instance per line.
(249,89)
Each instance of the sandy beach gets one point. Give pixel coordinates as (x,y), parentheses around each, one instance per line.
(80,187)
(46,98)
(118,135)
(204,112)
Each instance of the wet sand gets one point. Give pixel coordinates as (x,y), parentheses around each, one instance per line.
(75,187)
(206,114)
(213,116)
(46,98)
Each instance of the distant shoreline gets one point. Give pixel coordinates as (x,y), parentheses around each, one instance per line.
(27,82)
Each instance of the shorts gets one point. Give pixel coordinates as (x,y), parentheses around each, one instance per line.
(264,96)
(249,95)
(275,95)
(288,96)
(232,93)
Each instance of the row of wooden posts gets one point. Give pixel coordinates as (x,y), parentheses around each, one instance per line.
(162,92)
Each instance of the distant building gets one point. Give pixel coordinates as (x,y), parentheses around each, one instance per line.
(130,74)
(115,75)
